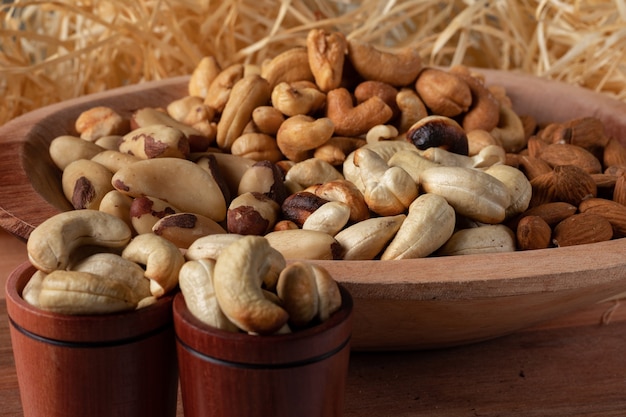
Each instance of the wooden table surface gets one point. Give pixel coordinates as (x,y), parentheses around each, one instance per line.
(573,366)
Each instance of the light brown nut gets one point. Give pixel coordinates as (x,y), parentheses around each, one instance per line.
(533,167)
(181,182)
(118,205)
(288,66)
(428,225)
(366,239)
(202,76)
(113,266)
(367,89)
(257,146)
(252,213)
(181,109)
(265,178)
(387,190)
(161,258)
(443,92)
(196,285)
(551,213)
(85,183)
(312,171)
(100,121)
(478,139)
(566,154)
(472,193)
(298,207)
(155,141)
(492,238)
(326,53)
(220,88)
(586,132)
(398,69)
(305,244)
(182,229)
(484,113)
(299,135)
(210,246)
(509,131)
(614,212)
(238,275)
(354,120)
(248,93)
(544,190)
(533,233)
(113,160)
(267,119)
(619,190)
(51,244)
(74,292)
(330,218)
(582,228)
(297,291)
(345,192)
(438,132)
(614,153)
(411,108)
(66,148)
(297,98)
(146,211)
(336,149)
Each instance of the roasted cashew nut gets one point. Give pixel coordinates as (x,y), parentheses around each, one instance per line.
(161,258)
(51,244)
(238,276)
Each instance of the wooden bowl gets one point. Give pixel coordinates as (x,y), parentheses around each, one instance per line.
(407,304)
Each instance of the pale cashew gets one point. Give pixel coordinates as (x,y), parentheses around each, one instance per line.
(267,119)
(31,290)
(330,218)
(297,98)
(366,239)
(182,229)
(472,193)
(66,149)
(428,225)
(51,244)
(518,185)
(381,132)
(510,131)
(484,239)
(238,276)
(74,292)
(181,182)
(161,258)
(300,134)
(412,161)
(328,292)
(196,285)
(351,120)
(326,53)
(304,244)
(85,183)
(298,206)
(345,192)
(478,139)
(248,93)
(113,266)
(387,190)
(398,69)
(297,290)
(313,171)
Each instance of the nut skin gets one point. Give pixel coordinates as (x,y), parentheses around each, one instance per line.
(572,184)
(252,213)
(614,212)
(439,131)
(299,206)
(155,141)
(582,228)
(533,233)
(85,183)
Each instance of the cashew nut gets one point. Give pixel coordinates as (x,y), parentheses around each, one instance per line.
(398,69)
(100,121)
(330,218)
(351,120)
(297,98)
(366,239)
(326,53)
(300,134)
(313,171)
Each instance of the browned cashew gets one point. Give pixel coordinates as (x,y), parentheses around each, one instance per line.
(484,112)
(257,146)
(351,120)
(438,132)
(398,69)
(220,88)
(300,134)
(312,171)
(345,192)
(100,121)
(443,92)
(326,53)
(411,108)
(297,98)
(290,65)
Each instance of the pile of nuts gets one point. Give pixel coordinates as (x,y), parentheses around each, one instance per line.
(339,150)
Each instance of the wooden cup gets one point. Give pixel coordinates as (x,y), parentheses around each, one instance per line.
(93,365)
(239,375)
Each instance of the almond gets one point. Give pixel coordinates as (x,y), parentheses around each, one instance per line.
(613,211)
(552,213)
(586,132)
(565,154)
(614,153)
(582,228)
(572,184)
(533,233)
(543,189)
(619,190)
(532,166)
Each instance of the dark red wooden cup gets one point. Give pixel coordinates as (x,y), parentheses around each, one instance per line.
(94,365)
(239,375)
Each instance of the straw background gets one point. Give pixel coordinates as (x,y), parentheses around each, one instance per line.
(56,50)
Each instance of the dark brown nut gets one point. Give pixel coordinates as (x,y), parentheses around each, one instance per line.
(586,132)
(297,98)
(85,183)
(613,211)
(386,92)
(484,112)
(552,213)
(155,141)
(614,153)
(252,213)
(264,178)
(533,167)
(65,149)
(582,228)
(573,184)
(351,120)
(443,92)
(411,107)
(257,146)
(100,121)
(533,233)
(267,119)
(326,52)
(299,206)
(220,88)
(543,189)
(145,211)
(619,190)
(566,154)
(182,229)
(398,69)
(438,132)
(529,123)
